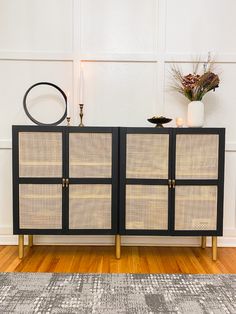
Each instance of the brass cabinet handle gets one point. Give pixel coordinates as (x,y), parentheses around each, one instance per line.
(173,184)
(63,182)
(170,183)
(67,183)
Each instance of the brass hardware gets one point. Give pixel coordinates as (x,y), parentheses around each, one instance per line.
(63,182)
(214,248)
(68,121)
(171,183)
(30,240)
(81,114)
(118,245)
(203,242)
(21,245)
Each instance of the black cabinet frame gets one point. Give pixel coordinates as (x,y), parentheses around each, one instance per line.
(171,176)
(118,180)
(65,131)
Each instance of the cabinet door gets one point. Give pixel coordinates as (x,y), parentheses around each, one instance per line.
(196,207)
(90,206)
(93,177)
(38,171)
(144,174)
(146,207)
(90,155)
(197,156)
(40,206)
(40,154)
(198,173)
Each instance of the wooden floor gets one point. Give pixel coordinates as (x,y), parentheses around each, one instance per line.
(95,259)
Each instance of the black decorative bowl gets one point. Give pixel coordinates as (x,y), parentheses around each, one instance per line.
(159,121)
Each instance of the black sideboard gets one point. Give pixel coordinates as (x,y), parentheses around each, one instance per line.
(118,181)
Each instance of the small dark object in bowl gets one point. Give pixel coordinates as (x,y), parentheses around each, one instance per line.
(159,121)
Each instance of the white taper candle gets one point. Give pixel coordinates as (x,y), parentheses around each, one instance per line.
(81,93)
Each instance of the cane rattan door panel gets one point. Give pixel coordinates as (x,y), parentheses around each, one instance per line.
(146,207)
(144,173)
(90,155)
(196,207)
(90,206)
(197,156)
(40,154)
(40,206)
(147,156)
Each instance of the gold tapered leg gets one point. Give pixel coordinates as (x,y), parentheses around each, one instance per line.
(21,245)
(214,248)
(118,246)
(30,240)
(203,243)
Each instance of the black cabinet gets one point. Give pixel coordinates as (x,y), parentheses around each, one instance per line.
(171,181)
(65,180)
(117,181)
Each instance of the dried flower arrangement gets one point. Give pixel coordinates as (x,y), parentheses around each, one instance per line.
(195,85)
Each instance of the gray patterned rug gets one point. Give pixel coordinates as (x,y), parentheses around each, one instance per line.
(116,293)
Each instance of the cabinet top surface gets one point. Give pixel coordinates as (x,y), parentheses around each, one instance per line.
(113,127)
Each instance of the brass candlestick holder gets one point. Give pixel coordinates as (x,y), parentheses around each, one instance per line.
(68,121)
(81,114)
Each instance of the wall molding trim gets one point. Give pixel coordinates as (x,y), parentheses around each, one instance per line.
(230,146)
(6,144)
(160,55)
(36,56)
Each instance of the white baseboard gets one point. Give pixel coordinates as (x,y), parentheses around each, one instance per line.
(226,241)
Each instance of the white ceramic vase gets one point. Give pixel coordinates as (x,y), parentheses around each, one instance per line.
(195,114)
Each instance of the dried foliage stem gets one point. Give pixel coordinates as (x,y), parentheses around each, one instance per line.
(194,86)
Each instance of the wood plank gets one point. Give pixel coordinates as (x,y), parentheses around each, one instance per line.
(101,259)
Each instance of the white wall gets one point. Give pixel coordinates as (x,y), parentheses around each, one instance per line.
(128,46)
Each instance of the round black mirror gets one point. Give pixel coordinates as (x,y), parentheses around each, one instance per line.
(31,117)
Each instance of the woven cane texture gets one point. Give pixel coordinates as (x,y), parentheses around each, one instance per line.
(90,206)
(146,207)
(196,208)
(40,206)
(90,155)
(40,154)
(147,156)
(197,156)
